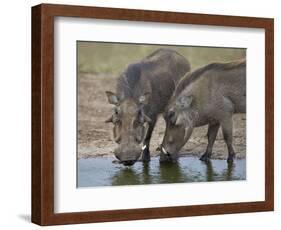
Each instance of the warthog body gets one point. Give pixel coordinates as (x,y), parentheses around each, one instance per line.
(143,91)
(209,95)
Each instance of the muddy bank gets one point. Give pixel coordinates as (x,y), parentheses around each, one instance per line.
(95,136)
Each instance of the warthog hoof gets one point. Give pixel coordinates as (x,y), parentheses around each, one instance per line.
(230,158)
(205,157)
(145,155)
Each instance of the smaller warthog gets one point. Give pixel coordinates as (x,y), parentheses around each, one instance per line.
(209,95)
(142,93)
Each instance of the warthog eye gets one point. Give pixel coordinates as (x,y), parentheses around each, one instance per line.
(171,116)
(171,113)
(117,111)
(116,115)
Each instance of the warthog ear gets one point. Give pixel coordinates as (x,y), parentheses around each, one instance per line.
(185,101)
(144,99)
(112,98)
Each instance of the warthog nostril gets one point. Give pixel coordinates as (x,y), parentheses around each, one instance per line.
(128,163)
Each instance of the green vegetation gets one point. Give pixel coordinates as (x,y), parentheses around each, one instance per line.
(112,58)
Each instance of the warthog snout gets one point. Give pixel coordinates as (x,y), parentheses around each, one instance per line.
(128,155)
(166,156)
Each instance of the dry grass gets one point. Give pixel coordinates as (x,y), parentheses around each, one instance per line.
(112,58)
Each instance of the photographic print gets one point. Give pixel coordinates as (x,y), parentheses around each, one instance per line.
(163,106)
(157,114)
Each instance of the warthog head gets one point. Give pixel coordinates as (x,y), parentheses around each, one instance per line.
(130,126)
(179,117)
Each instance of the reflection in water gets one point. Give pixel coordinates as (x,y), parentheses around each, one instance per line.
(146,174)
(211,174)
(101,172)
(170,172)
(164,173)
(209,171)
(126,176)
(229,172)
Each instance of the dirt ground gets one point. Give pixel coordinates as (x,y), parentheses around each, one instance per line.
(95,136)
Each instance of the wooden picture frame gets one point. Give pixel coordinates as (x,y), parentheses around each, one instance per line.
(43,114)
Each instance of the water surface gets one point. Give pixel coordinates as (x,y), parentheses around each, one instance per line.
(100,171)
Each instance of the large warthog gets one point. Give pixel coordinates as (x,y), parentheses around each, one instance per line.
(142,93)
(209,95)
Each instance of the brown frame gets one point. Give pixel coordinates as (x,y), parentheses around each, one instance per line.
(43,113)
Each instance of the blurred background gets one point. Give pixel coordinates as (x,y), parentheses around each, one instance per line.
(100,57)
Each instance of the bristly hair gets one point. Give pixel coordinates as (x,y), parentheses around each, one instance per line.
(195,75)
(128,80)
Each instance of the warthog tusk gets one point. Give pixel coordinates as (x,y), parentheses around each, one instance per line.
(164,151)
(143,147)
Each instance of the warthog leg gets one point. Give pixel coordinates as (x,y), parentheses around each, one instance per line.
(212,134)
(145,149)
(227,127)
